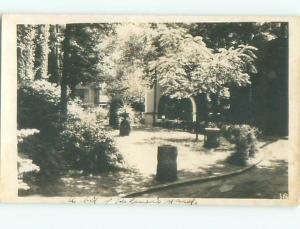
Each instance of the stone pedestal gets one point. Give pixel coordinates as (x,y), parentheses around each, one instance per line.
(166,163)
(211,137)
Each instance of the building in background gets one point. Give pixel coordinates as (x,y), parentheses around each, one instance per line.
(92,95)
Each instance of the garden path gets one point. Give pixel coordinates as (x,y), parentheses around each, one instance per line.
(268,180)
(140,155)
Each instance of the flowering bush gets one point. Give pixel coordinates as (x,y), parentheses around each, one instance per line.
(245,139)
(87,145)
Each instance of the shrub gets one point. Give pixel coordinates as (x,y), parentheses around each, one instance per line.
(38,159)
(27,170)
(101,115)
(79,143)
(25,133)
(138,106)
(45,154)
(245,139)
(38,107)
(87,145)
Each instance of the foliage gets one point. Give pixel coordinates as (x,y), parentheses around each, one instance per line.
(46,154)
(81,54)
(26,52)
(27,171)
(245,139)
(193,69)
(88,146)
(41,51)
(56,37)
(101,114)
(175,108)
(24,133)
(26,167)
(32,43)
(220,35)
(80,143)
(38,159)
(38,107)
(124,59)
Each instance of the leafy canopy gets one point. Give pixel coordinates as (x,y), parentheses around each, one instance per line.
(183,65)
(190,68)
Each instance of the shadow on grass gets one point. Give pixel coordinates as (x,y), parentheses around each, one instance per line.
(105,184)
(220,167)
(261,182)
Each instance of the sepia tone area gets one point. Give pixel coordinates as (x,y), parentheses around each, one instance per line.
(183,110)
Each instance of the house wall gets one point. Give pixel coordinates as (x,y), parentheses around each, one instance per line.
(89,94)
(151,106)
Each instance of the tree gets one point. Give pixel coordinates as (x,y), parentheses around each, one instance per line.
(123,56)
(25,52)
(123,62)
(81,57)
(247,103)
(128,53)
(191,69)
(180,62)
(56,38)
(41,52)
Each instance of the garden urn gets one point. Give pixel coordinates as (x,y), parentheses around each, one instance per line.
(125,126)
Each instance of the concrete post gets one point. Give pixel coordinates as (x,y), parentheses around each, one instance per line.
(166,163)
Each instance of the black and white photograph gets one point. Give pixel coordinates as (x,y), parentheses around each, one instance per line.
(153,110)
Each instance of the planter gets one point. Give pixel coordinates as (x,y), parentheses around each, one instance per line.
(125,127)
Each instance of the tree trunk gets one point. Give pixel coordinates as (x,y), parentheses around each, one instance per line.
(201,111)
(65,73)
(197,101)
(41,52)
(55,55)
(155,98)
(26,52)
